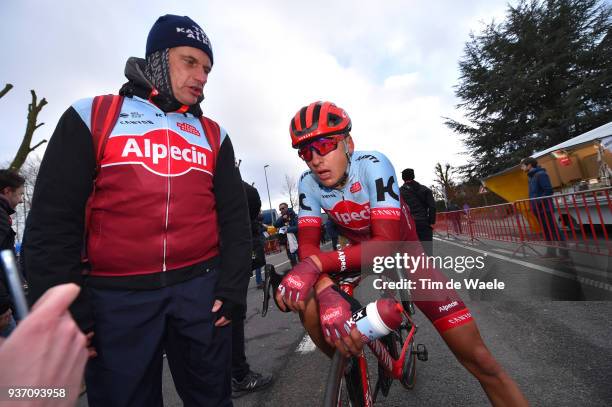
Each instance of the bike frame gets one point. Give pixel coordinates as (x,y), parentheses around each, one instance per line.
(392,367)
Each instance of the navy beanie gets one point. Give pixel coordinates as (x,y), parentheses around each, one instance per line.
(171,31)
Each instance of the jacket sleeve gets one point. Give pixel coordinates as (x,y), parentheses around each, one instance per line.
(431,206)
(234,227)
(5,299)
(53,237)
(253,200)
(544,185)
(293,225)
(280,222)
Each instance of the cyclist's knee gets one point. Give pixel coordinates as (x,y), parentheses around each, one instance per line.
(481,362)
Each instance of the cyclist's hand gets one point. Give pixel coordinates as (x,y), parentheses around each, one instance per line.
(297,285)
(337,323)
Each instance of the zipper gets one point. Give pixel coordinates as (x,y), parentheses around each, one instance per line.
(164,267)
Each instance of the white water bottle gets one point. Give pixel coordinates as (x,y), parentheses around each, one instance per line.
(378,318)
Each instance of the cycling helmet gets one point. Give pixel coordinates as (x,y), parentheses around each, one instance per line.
(316,120)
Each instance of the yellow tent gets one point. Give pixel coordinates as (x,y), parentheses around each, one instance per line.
(579,164)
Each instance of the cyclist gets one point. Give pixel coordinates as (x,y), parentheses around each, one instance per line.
(358,191)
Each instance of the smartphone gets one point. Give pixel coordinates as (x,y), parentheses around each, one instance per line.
(14,282)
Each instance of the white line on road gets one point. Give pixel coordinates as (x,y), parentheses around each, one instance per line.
(306,345)
(583,280)
(497,249)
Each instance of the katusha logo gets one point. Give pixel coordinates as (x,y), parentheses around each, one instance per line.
(162,154)
(351,214)
(188,128)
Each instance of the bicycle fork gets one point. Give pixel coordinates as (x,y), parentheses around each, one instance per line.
(393,368)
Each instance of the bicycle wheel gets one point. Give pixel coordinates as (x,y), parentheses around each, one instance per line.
(344,387)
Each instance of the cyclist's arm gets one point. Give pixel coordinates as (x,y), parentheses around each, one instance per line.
(349,259)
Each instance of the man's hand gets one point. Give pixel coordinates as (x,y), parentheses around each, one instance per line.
(5,319)
(47,349)
(90,349)
(222,321)
(297,285)
(337,323)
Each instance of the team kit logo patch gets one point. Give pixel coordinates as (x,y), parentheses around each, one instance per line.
(188,128)
(160,152)
(351,214)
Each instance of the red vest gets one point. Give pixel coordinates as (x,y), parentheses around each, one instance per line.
(153,205)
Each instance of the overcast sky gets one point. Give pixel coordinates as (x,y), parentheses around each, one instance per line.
(391,64)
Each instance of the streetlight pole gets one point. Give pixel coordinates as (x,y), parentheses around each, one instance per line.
(269,200)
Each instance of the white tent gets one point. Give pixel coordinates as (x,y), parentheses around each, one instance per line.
(595,134)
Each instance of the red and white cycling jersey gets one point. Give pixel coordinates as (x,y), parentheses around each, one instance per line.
(367,208)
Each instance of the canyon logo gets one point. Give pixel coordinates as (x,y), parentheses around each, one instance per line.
(165,155)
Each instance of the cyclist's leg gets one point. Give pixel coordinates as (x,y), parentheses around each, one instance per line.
(312,324)
(456,326)
(469,348)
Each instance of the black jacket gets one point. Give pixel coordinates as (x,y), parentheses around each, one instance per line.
(7,241)
(254,202)
(421,202)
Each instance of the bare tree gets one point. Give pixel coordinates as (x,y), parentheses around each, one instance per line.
(29,171)
(437,193)
(291,190)
(4,91)
(34,109)
(444,180)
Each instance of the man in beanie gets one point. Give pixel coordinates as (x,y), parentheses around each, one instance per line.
(144,188)
(422,207)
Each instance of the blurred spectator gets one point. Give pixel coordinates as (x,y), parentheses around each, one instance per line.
(289,220)
(422,207)
(11,195)
(245,380)
(454,215)
(543,209)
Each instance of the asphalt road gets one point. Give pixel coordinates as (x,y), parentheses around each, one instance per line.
(559,352)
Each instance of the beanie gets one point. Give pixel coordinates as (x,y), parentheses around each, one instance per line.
(408,174)
(171,31)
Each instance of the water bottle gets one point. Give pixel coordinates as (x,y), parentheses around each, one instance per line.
(378,318)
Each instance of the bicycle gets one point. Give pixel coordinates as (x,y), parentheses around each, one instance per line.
(348,382)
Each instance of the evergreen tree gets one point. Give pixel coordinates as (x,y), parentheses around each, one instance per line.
(542,76)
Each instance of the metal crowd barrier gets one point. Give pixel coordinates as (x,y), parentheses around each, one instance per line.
(272,246)
(577,221)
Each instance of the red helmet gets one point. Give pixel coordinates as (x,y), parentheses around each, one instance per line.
(316,120)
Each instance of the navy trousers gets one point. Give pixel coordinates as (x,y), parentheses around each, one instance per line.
(133,328)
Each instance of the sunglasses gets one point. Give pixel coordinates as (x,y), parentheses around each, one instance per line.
(322,146)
